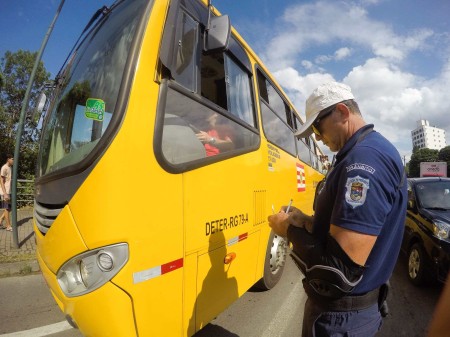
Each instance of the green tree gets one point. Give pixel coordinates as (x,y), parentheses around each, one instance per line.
(418,156)
(444,155)
(15,72)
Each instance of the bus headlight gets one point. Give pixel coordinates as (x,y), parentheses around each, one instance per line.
(441,229)
(90,270)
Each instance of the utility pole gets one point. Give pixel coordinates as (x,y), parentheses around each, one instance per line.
(20,128)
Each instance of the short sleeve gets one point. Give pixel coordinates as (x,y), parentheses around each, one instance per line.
(365,192)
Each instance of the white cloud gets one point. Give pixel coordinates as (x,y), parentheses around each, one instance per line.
(306,25)
(307,64)
(339,55)
(389,96)
(323,59)
(342,53)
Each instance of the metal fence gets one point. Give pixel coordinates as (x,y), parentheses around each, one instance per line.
(25,193)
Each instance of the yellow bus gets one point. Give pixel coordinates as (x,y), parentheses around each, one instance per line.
(166,145)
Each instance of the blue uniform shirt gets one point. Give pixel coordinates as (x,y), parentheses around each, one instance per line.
(366,192)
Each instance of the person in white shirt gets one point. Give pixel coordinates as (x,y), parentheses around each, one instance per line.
(5,186)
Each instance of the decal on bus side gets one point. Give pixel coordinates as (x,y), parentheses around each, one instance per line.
(273,154)
(237,239)
(220,225)
(301,178)
(148,274)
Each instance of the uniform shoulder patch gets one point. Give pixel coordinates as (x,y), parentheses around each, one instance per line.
(360,166)
(356,193)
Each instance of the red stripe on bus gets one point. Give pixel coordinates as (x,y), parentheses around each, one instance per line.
(243,236)
(171,266)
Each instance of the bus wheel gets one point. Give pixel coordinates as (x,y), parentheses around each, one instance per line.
(274,263)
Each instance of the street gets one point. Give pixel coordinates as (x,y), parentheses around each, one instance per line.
(279,312)
(26,306)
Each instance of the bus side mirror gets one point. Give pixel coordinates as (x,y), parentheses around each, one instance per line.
(217,37)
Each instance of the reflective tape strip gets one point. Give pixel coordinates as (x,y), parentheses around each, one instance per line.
(236,239)
(301,180)
(148,274)
(243,236)
(171,266)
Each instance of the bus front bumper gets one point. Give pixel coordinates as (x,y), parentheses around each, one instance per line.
(107,311)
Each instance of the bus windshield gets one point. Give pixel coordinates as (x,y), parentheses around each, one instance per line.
(85,98)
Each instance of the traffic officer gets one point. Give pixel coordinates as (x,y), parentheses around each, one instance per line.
(348,249)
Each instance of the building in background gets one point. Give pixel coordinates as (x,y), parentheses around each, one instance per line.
(426,136)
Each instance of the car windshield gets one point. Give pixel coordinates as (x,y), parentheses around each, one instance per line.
(85,97)
(434,195)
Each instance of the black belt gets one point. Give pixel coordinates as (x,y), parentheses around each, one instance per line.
(346,303)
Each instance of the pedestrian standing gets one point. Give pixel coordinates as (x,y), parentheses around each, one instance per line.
(348,249)
(5,185)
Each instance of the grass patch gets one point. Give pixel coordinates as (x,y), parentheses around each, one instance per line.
(17,258)
(26,270)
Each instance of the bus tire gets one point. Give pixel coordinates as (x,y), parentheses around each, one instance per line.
(274,262)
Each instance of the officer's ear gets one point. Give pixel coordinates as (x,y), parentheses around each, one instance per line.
(343,111)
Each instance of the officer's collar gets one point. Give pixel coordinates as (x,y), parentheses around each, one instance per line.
(355,139)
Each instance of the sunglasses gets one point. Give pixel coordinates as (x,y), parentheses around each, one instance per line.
(315,125)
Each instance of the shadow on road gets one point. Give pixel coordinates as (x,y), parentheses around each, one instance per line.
(214,330)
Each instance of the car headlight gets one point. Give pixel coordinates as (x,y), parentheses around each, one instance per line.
(90,270)
(441,229)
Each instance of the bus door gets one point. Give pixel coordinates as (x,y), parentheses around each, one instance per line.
(208,132)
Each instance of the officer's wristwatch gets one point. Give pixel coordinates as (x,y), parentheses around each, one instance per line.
(212,140)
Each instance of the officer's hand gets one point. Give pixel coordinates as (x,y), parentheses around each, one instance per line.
(298,219)
(279,223)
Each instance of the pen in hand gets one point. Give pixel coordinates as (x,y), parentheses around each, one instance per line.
(289,206)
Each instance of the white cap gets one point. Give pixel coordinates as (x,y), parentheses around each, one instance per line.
(324,96)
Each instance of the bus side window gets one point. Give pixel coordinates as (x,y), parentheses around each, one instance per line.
(308,151)
(186,120)
(271,96)
(209,108)
(213,78)
(184,70)
(226,83)
(304,153)
(274,116)
(180,144)
(314,157)
(290,119)
(239,93)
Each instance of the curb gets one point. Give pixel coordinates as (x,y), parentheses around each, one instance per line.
(19,268)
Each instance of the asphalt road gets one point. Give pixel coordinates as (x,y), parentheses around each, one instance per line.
(273,313)
(27,309)
(411,307)
(279,312)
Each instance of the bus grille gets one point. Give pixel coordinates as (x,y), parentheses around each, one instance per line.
(45,215)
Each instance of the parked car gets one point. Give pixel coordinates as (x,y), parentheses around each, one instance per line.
(427,226)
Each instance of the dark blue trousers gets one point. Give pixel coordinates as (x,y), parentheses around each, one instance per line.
(320,323)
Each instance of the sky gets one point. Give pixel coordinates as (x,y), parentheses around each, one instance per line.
(394,54)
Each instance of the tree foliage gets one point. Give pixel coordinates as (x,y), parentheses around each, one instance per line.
(15,72)
(444,155)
